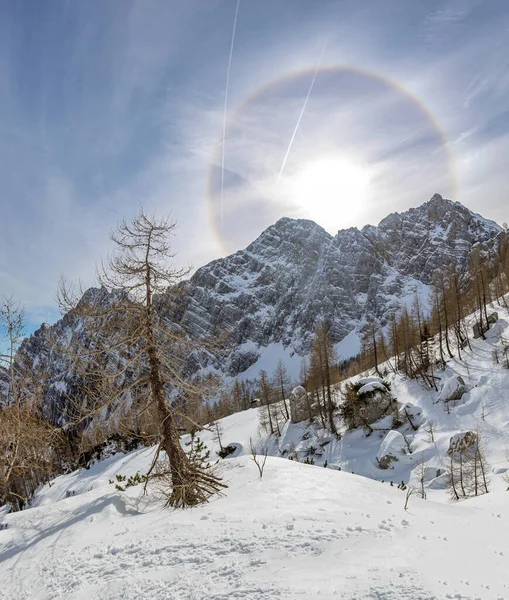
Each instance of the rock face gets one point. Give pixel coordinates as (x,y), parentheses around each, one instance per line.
(296,274)
(276,291)
(298,405)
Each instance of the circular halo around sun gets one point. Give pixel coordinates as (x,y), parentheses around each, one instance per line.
(361,142)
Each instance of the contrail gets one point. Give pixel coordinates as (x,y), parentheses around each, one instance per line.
(226,105)
(303,110)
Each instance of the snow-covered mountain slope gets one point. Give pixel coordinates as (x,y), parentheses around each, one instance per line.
(483,405)
(270,297)
(296,274)
(300,532)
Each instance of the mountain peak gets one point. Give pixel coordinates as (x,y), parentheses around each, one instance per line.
(437,198)
(286,230)
(289,222)
(440,212)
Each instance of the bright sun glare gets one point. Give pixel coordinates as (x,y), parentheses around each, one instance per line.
(331,191)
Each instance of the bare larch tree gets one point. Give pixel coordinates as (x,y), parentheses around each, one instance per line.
(139,273)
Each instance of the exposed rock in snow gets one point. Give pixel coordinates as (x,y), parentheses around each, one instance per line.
(478,331)
(298,404)
(392,449)
(462,441)
(453,387)
(492,318)
(431,473)
(440,482)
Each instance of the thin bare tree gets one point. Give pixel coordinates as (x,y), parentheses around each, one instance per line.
(138,277)
(259,459)
(28,443)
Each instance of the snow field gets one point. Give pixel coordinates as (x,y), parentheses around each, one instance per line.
(300,532)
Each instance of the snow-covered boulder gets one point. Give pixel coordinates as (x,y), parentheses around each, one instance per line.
(365,385)
(373,379)
(392,449)
(429,473)
(496,331)
(478,330)
(461,441)
(367,400)
(412,415)
(440,482)
(372,387)
(453,387)
(298,405)
(492,318)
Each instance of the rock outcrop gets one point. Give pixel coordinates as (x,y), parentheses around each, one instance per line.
(298,405)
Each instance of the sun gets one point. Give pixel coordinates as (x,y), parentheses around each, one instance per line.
(331,191)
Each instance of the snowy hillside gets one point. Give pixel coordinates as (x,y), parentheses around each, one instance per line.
(482,389)
(302,531)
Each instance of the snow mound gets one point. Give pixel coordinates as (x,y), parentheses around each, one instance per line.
(372,387)
(453,386)
(392,449)
(368,380)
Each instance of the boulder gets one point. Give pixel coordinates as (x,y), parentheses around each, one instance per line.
(492,318)
(386,461)
(372,387)
(430,473)
(461,441)
(452,388)
(479,331)
(298,405)
(440,482)
(392,449)
(367,401)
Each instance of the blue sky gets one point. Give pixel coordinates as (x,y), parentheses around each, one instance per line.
(107,105)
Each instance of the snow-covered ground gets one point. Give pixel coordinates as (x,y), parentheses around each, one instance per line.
(302,531)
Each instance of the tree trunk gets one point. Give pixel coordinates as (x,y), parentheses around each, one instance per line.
(452,479)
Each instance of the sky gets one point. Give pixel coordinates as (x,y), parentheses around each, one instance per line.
(337,111)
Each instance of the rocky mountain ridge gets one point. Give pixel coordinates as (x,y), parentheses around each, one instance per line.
(269,297)
(296,274)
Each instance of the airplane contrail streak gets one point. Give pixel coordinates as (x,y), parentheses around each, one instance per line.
(227,87)
(303,109)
